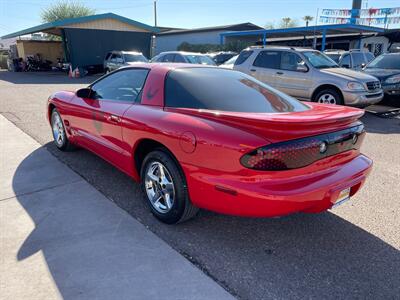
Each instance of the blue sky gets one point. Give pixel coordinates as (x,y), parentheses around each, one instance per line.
(20,14)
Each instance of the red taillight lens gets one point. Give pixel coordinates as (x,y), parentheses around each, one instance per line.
(302,152)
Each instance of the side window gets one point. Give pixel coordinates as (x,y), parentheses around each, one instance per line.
(268,59)
(125,85)
(345,61)
(113,57)
(358,59)
(291,61)
(243,56)
(168,57)
(179,58)
(118,58)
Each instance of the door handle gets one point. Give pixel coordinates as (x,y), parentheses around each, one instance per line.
(279,73)
(253,70)
(113,119)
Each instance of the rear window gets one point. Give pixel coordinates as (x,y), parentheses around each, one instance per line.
(224,90)
(245,54)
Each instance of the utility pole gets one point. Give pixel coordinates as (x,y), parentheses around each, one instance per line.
(155,13)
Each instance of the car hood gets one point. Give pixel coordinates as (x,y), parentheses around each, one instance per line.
(348,74)
(381,74)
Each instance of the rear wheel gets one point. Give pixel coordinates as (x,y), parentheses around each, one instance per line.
(329,96)
(165,188)
(58,129)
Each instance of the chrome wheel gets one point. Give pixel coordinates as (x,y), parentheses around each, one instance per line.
(327,99)
(159,187)
(58,130)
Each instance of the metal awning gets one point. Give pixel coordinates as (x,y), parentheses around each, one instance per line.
(319,30)
(55,27)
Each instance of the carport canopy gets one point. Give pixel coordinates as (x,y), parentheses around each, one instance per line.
(318,30)
(56,27)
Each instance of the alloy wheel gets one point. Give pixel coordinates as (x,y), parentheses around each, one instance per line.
(58,130)
(327,99)
(159,187)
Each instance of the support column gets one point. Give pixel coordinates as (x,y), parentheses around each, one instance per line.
(264,40)
(323,40)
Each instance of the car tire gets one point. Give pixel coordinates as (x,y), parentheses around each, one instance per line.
(59,134)
(155,186)
(329,96)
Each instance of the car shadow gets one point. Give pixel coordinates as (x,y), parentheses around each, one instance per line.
(300,256)
(44,78)
(376,124)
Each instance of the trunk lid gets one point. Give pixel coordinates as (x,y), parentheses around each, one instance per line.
(276,127)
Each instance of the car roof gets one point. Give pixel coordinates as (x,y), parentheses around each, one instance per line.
(181,52)
(166,66)
(299,49)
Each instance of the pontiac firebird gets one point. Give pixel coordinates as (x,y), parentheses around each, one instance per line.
(206,137)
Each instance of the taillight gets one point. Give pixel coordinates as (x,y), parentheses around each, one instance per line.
(303,152)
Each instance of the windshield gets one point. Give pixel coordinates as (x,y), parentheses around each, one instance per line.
(134,58)
(319,60)
(334,57)
(225,90)
(199,59)
(391,61)
(231,61)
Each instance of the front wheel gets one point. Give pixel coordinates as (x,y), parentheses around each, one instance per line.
(329,96)
(58,129)
(165,188)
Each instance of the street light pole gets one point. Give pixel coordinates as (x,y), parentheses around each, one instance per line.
(155,13)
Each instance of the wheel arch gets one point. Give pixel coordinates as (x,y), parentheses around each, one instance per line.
(144,147)
(325,87)
(50,109)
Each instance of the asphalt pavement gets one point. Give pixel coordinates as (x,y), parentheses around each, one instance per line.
(349,252)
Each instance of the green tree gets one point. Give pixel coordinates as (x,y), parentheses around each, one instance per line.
(64,10)
(288,22)
(308,19)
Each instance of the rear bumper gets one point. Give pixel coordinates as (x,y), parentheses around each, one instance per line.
(279,193)
(362,99)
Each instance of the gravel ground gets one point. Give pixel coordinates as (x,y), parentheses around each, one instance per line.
(350,252)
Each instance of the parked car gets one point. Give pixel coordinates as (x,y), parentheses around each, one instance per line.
(352,59)
(229,63)
(184,57)
(386,68)
(206,137)
(221,57)
(309,75)
(116,59)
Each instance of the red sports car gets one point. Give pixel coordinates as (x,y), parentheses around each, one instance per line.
(212,138)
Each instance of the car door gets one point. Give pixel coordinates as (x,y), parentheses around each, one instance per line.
(266,66)
(293,76)
(97,123)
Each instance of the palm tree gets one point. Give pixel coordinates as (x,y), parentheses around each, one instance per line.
(308,19)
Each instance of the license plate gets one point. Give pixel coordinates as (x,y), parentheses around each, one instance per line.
(343,197)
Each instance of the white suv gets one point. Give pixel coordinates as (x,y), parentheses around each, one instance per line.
(309,75)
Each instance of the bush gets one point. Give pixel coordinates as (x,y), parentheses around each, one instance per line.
(205,48)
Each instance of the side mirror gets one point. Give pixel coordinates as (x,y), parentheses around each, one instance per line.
(302,68)
(84,93)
